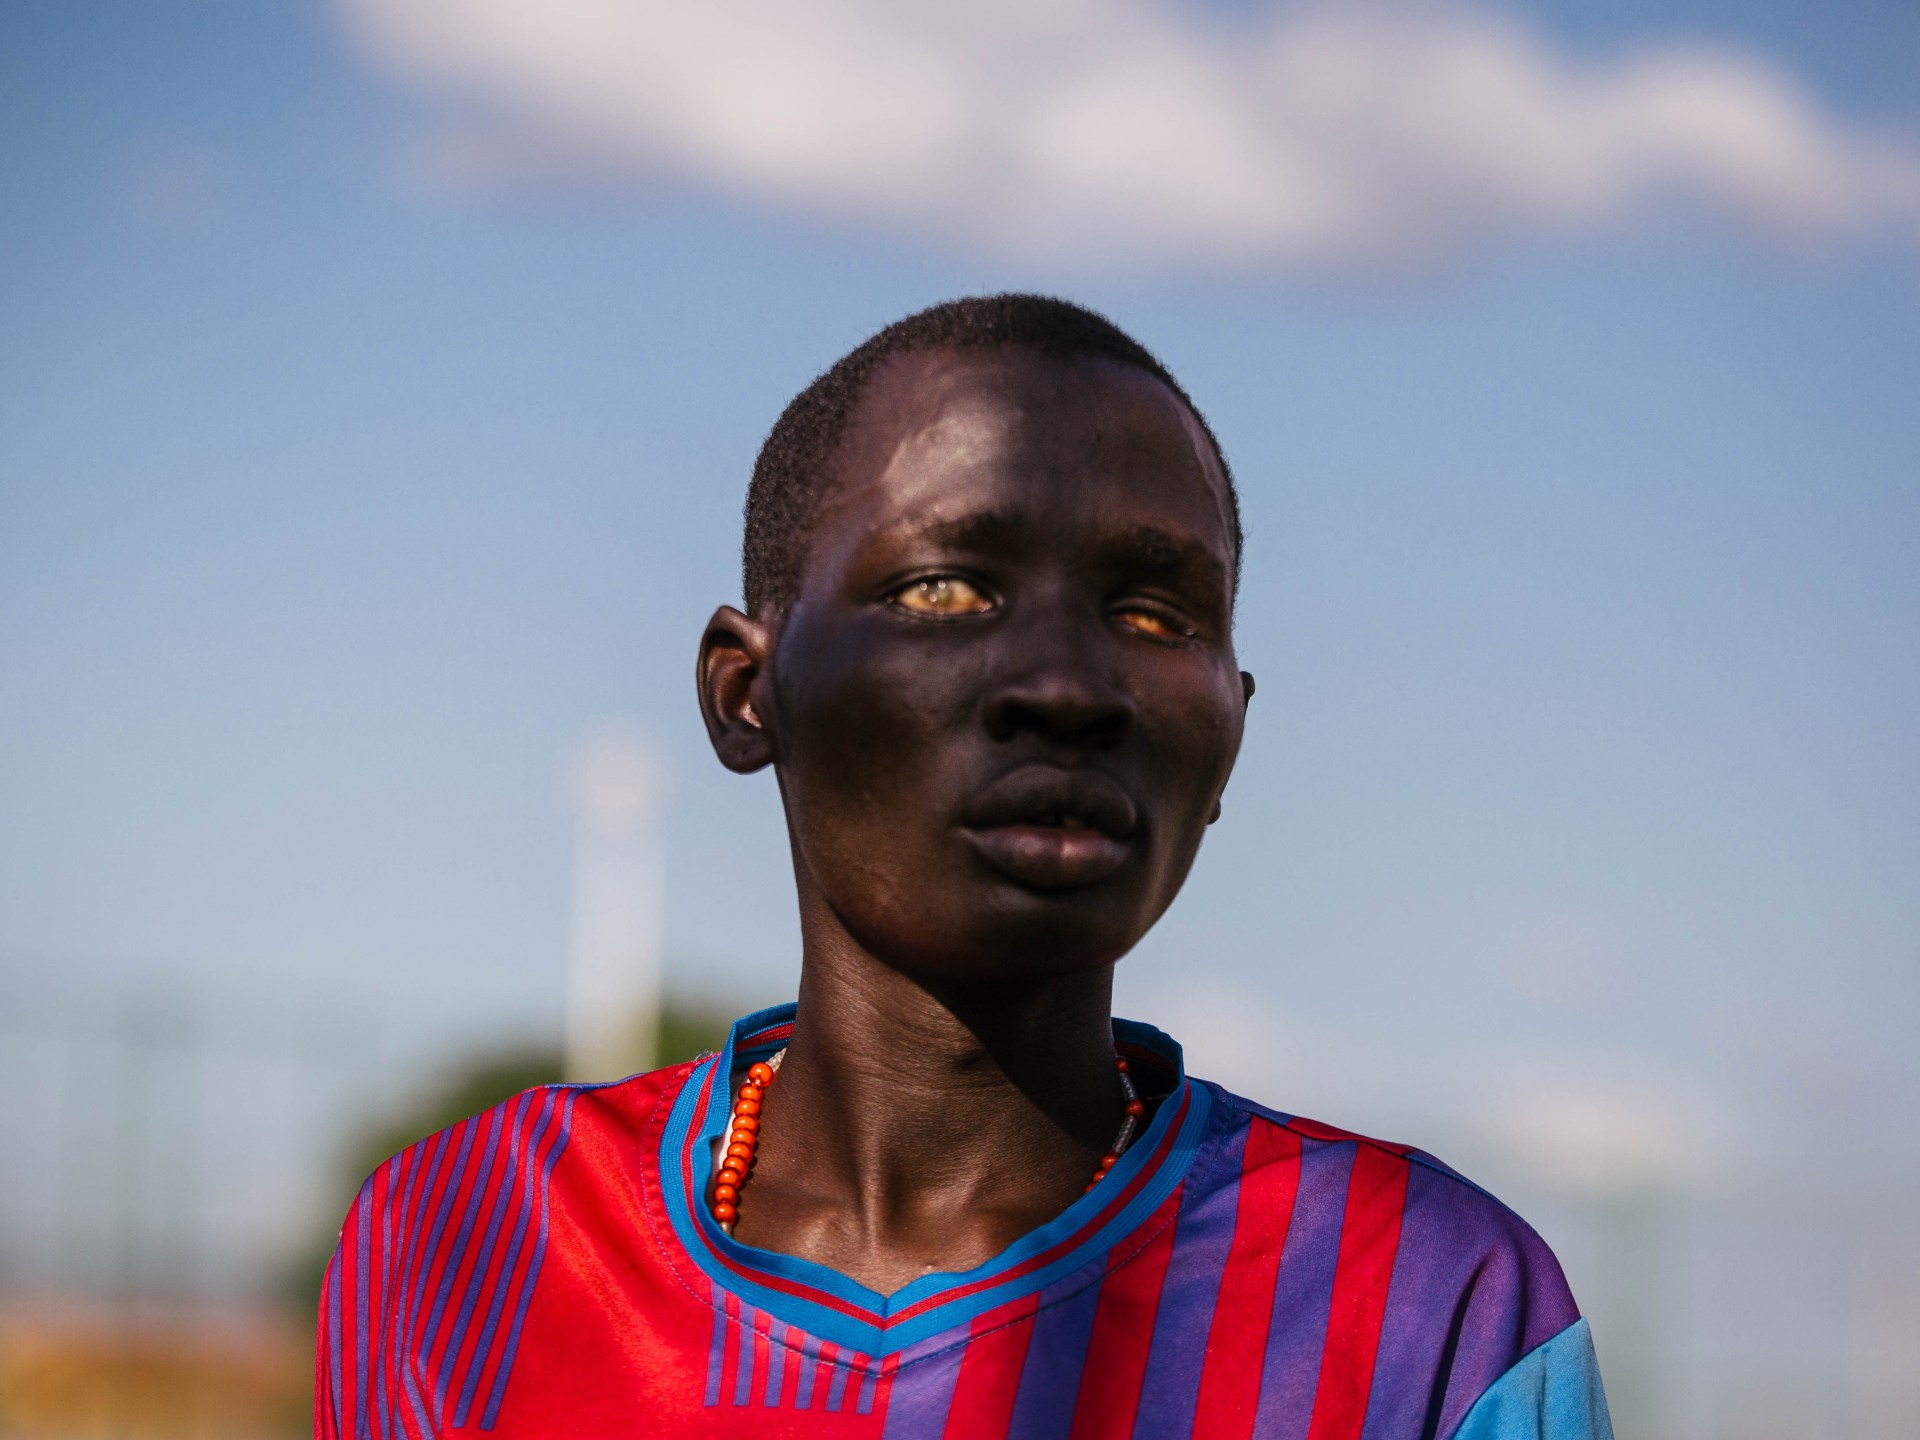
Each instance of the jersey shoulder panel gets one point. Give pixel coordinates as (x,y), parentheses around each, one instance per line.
(1467,1287)
(422,1305)
(1552,1393)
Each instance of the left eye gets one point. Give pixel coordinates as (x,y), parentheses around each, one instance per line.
(942,595)
(1147,622)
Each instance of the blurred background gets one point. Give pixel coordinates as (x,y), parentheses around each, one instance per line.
(379,380)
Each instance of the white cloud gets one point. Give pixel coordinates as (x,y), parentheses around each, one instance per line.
(1597,1127)
(1299,137)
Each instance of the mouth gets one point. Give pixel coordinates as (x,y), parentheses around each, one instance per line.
(1053,829)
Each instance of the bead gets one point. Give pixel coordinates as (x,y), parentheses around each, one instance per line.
(744,1135)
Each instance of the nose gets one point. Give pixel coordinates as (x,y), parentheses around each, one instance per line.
(1057,683)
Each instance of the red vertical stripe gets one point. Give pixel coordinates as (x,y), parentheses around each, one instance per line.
(758,1384)
(1116,1360)
(882,1394)
(1369,1239)
(822,1377)
(1237,1338)
(989,1378)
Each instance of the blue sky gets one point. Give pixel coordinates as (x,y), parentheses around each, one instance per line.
(336,508)
(1581,575)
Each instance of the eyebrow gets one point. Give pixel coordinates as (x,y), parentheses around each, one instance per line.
(1155,554)
(975,531)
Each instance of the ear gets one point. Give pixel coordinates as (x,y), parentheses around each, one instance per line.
(1246,698)
(736,692)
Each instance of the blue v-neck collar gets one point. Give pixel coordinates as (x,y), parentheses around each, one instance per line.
(823,1302)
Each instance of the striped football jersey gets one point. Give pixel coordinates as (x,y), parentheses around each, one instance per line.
(547,1269)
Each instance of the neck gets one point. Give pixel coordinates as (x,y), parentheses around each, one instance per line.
(919,1125)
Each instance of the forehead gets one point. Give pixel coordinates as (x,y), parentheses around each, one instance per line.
(1086,443)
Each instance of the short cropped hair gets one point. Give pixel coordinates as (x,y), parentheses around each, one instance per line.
(795,468)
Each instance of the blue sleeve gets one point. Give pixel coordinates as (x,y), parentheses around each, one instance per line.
(1552,1393)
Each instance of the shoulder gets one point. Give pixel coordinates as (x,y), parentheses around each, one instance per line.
(1464,1289)
(456,1226)
(509,1148)
(1440,1222)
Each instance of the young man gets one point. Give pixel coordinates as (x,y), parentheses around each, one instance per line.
(987,649)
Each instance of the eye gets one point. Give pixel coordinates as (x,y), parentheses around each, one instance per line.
(1154,624)
(941,595)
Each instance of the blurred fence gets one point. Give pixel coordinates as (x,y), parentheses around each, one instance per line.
(172,1139)
(179,1150)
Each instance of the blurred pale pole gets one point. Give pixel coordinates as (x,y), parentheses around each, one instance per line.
(613,972)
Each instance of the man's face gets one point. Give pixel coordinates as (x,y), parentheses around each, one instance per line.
(1005,701)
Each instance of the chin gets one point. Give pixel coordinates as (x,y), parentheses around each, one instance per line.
(1011,940)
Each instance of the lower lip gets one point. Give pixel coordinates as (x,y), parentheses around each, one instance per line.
(1050,857)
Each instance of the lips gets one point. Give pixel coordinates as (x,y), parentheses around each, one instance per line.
(1052,829)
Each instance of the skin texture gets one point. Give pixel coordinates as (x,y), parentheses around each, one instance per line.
(1002,710)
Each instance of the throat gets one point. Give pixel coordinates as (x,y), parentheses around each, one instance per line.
(926,1146)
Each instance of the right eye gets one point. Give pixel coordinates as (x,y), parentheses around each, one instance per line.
(941,595)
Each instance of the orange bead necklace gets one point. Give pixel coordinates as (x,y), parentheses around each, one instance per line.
(743,1135)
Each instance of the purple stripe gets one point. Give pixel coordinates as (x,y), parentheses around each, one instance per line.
(1466,1257)
(417,1255)
(478,1284)
(867,1386)
(503,1288)
(1303,1292)
(362,1272)
(396,1186)
(776,1361)
(421,1159)
(458,1253)
(716,1354)
(837,1383)
(809,1372)
(1056,1354)
(1170,1391)
(533,1265)
(922,1391)
(333,1336)
(457,1248)
(430,1250)
(743,1372)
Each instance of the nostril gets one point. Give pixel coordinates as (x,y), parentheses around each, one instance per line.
(1079,714)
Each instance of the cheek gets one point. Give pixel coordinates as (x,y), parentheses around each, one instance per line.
(864,729)
(1198,733)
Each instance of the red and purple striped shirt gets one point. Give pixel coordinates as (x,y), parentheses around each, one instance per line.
(546,1269)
